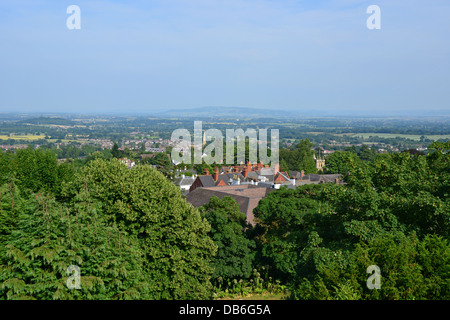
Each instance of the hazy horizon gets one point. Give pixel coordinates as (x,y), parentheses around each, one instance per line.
(315,57)
(227,113)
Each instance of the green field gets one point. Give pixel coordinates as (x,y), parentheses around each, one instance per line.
(415,137)
(28,137)
(32,137)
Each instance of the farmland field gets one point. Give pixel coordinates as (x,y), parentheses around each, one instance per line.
(415,137)
(28,137)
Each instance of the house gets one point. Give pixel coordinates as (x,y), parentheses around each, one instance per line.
(301,178)
(146,156)
(155,150)
(184,182)
(216,179)
(248,174)
(249,187)
(247,197)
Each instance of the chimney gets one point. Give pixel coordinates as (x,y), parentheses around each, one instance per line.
(276,168)
(216,174)
(245,172)
(302,174)
(260,165)
(207,171)
(336,180)
(236,169)
(249,167)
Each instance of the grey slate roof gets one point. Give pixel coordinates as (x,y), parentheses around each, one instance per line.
(207,181)
(186,181)
(246,196)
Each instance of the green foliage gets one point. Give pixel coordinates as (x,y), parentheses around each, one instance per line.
(299,158)
(200,168)
(340,162)
(393,212)
(235,254)
(162,161)
(260,283)
(116,153)
(171,233)
(285,217)
(106,155)
(400,190)
(48,238)
(35,170)
(366,154)
(439,162)
(409,270)
(11,204)
(135,237)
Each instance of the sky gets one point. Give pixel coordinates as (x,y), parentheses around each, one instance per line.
(148,55)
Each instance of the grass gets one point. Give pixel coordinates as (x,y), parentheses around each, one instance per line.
(32,137)
(415,137)
(27,137)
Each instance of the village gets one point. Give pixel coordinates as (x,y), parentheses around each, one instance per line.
(246,184)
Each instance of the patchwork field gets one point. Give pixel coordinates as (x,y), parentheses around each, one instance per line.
(415,137)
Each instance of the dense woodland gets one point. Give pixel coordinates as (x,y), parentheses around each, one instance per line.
(134,236)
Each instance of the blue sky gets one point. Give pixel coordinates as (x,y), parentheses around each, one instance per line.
(142,56)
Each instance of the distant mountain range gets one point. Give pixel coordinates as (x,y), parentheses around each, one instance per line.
(227,112)
(245,113)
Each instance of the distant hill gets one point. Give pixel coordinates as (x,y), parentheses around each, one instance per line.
(251,113)
(227,112)
(49,120)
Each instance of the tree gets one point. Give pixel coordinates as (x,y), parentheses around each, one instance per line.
(171,233)
(352,149)
(410,269)
(341,162)
(35,170)
(6,166)
(235,252)
(116,153)
(284,219)
(366,154)
(299,158)
(438,161)
(49,238)
(200,168)
(11,204)
(284,166)
(392,212)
